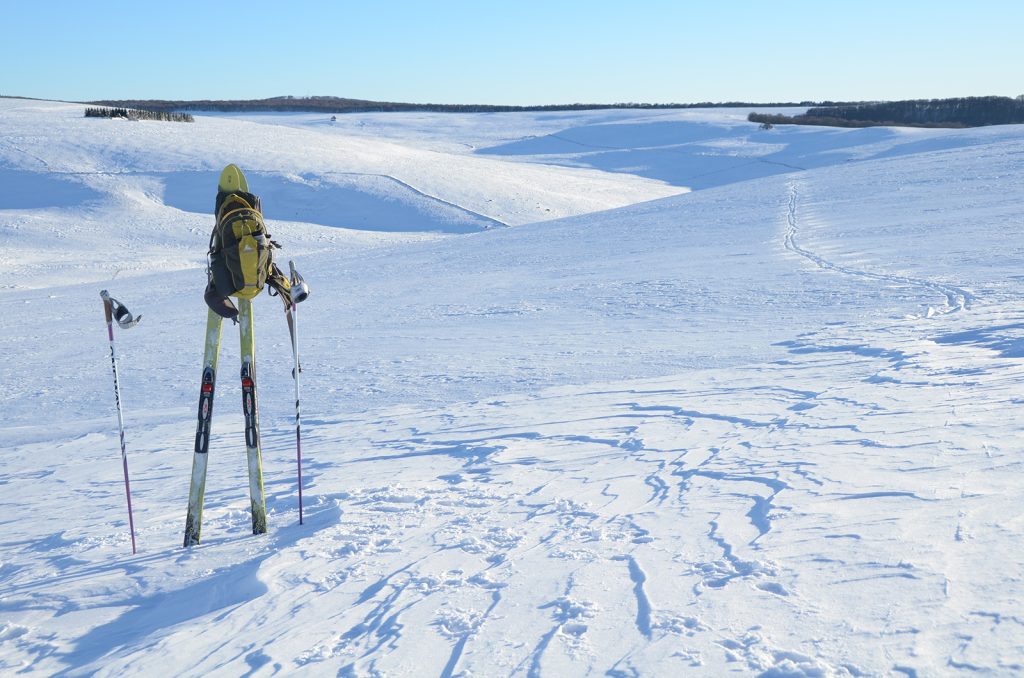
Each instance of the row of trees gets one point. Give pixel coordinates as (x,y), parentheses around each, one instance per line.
(768,120)
(965,111)
(327,104)
(137,114)
(958,112)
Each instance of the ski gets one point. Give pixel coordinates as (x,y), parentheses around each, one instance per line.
(194,518)
(239,260)
(250,407)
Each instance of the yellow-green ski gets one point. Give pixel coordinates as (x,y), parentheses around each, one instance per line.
(197,488)
(250,407)
(231,179)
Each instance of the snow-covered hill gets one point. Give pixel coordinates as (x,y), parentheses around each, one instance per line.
(613,393)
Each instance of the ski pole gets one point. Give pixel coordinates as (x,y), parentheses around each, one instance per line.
(112,309)
(299,292)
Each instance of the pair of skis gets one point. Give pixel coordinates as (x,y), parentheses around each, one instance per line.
(250,409)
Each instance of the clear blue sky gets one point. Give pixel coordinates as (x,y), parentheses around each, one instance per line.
(511,52)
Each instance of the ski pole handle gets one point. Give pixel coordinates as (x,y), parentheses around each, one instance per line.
(108,312)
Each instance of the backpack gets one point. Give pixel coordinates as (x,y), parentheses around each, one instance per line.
(241,260)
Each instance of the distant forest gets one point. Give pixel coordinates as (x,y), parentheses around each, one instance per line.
(134,114)
(960,112)
(326,104)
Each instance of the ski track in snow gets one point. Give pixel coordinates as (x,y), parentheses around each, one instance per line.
(847,508)
(956,299)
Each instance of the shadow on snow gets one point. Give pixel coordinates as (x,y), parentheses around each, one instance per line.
(367,202)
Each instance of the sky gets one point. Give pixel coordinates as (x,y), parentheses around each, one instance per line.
(521,52)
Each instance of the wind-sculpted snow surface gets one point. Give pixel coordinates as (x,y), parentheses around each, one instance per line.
(720,520)
(766,428)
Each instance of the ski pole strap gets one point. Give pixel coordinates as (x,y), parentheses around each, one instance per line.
(300,290)
(121,314)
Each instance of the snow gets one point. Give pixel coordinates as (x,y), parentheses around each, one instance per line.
(585,393)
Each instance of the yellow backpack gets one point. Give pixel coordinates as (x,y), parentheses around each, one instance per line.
(242,243)
(241,260)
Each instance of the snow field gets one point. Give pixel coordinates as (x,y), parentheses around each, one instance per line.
(764,428)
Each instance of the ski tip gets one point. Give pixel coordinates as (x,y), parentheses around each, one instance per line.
(231,180)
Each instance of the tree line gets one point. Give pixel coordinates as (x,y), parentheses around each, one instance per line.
(956,112)
(137,114)
(330,104)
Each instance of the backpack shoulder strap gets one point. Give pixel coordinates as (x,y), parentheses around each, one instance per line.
(250,199)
